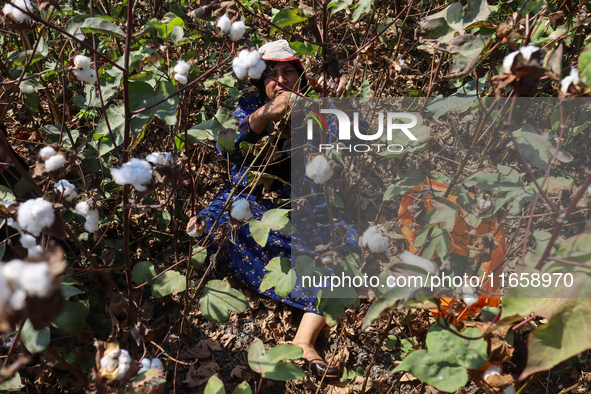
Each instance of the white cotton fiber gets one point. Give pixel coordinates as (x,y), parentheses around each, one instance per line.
(16,14)
(144,366)
(374,241)
(319,169)
(237,30)
(92,221)
(28,241)
(36,279)
(257,71)
(135,172)
(239,69)
(251,58)
(110,360)
(508,61)
(66,189)
(490,371)
(123,365)
(88,76)
(484,204)
(182,79)
(241,210)
(160,158)
(82,62)
(182,67)
(82,208)
(573,78)
(468,295)
(417,261)
(528,51)
(35,215)
(55,163)
(18,299)
(47,152)
(156,363)
(224,24)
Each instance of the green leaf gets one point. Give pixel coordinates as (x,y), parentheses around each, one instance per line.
(214,386)
(538,146)
(303,48)
(469,49)
(164,29)
(143,272)
(568,313)
(273,219)
(507,177)
(168,282)
(35,341)
(444,213)
(142,95)
(385,302)
(585,63)
(6,194)
(13,384)
(334,302)
(279,276)
(411,179)
(99,25)
(116,117)
(198,256)
(219,298)
(55,130)
(363,7)
(288,17)
(444,365)
(70,291)
(208,130)
(73,318)
(242,388)
(270,364)
(74,24)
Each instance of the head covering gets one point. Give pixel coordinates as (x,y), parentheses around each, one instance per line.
(279,51)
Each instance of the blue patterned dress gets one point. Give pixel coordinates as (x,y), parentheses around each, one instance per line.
(246,259)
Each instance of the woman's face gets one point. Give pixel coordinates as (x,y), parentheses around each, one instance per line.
(282,72)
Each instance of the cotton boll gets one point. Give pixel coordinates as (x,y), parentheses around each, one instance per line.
(182,67)
(160,158)
(508,61)
(490,371)
(12,271)
(135,172)
(237,30)
(28,241)
(177,32)
(224,24)
(66,189)
(123,365)
(92,221)
(182,79)
(528,51)
(88,76)
(11,223)
(82,208)
(417,261)
(573,78)
(239,68)
(35,215)
(47,152)
(484,204)
(374,241)
(110,360)
(241,210)
(252,58)
(319,170)
(18,299)
(82,62)
(144,366)
(156,363)
(16,14)
(257,71)
(468,295)
(36,279)
(55,163)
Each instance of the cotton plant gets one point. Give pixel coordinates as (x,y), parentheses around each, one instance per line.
(135,172)
(84,72)
(115,364)
(234,30)
(53,158)
(22,280)
(374,241)
(181,72)
(91,215)
(249,63)
(10,11)
(319,169)
(241,210)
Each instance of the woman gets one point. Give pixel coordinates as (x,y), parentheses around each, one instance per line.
(245,258)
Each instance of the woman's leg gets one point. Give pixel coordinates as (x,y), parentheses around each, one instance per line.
(307,333)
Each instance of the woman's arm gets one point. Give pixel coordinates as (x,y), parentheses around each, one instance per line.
(273,111)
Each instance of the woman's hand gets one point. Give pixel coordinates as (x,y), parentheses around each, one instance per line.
(273,111)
